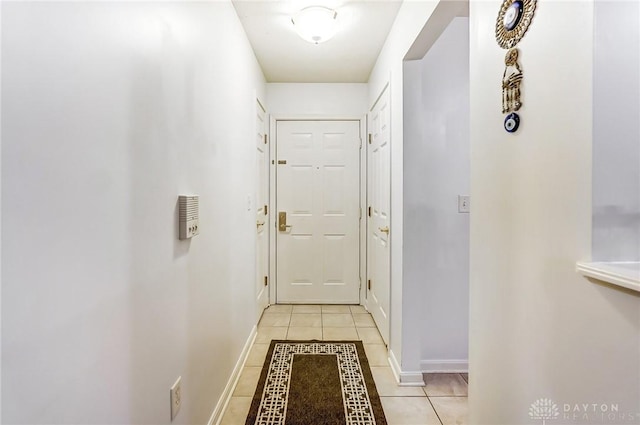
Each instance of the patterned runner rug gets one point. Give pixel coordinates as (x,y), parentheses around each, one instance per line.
(316,383)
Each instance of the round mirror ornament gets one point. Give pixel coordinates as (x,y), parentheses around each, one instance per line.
(514,18)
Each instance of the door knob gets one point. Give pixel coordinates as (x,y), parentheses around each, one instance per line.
(282,221)
(384,229)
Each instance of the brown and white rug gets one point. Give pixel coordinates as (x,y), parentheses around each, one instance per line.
(316,382)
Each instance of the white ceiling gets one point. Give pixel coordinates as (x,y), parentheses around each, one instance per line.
(346,58)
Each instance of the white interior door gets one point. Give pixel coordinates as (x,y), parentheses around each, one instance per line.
(262,196)
(379,199)
(318,190)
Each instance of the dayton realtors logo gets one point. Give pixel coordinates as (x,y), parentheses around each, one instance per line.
(544,409)
(598,412)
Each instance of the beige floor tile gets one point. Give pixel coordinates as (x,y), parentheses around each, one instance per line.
(337,320)
(364,321)
(445,384)
(266,334)
(339,334)
(344,309)
(297,309)
(357,309)
(377,354)
(451,410)
(257,355)
(409,411)
(370,336)
(279,308)
(275,319)
(388,387)
(465,376)
(305,333)
(248,382)
(237,410)
(309,320)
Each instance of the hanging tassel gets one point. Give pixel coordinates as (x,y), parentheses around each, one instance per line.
(511,79)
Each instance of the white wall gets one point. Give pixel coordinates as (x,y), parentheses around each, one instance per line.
(411,17)
(109,111)
(416,27)
(334,100)
(537,328)
(436,171)
(616,132)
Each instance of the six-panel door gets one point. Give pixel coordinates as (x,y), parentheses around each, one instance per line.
(318,169)
(261,209)
(378,225)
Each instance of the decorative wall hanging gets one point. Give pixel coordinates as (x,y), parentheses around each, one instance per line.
(511,79)
(512,23)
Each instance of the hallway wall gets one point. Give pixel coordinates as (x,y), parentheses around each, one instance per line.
(538,329)
(411,17)
(436,171)
(109,112)
(312,100)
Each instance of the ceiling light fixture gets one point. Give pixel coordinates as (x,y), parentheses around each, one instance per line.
(316,24)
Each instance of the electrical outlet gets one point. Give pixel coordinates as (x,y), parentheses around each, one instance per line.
(176,397)
(464,204)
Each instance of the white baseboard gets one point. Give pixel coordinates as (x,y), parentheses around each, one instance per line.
(218,412)
(445,366)
(404,378)
(395,366)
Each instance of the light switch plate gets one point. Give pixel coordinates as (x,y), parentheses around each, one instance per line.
(464,204)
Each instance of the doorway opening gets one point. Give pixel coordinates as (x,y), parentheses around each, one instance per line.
(436,169)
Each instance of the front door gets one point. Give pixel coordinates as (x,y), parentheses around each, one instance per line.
(318,212)
(379,198)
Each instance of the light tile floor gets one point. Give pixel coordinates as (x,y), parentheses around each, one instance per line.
(443,401)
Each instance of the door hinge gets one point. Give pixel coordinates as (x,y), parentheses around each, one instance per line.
(266,280)
(265,210)
(265,139)
(369,284)
(369,211)
(370,137)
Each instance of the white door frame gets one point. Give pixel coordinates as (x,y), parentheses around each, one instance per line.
(272,194)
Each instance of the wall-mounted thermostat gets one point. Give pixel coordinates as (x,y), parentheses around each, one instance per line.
(188,206)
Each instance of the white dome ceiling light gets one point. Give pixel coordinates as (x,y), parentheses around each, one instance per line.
(316,24)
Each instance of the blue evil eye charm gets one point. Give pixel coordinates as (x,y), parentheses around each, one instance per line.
(512,122)
(512,15)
